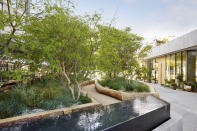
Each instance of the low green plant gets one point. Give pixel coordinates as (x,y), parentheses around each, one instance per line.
(167,81)
(195,85)
(173,85)
(180,77)
(46,95)
(84,99)
(120,83)
(139,87)
(114,83)
(12,103)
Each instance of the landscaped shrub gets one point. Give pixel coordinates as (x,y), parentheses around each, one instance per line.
(139,87)
(125,85)
(12,103)
(114,83)
(85,99)
(50,95)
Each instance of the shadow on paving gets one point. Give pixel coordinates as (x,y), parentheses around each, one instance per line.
(183,103)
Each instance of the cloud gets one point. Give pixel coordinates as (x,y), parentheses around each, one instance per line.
(178,18)
(189,1)
(183,15)
(130,1)
(166,1)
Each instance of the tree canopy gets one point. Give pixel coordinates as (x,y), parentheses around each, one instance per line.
(57,43)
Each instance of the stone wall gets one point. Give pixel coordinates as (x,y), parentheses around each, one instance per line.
(123,95)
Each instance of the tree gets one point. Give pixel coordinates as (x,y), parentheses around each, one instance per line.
(144,51)
(94,42)
(61,41)
(11,22)
(118,51)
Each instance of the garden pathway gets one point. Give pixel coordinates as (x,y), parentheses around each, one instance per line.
(182,103)
(101,98)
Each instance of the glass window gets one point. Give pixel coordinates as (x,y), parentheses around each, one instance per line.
(196,65)
(184,65)
(191,63)
(157,70)
(172,66)
(154,70)
(178,63)
(1,6)
(168,67)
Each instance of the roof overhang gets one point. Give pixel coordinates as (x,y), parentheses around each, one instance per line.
(185,42)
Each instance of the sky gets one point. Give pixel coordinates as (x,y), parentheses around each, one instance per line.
(150,19)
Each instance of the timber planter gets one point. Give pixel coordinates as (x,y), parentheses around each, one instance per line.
(194,89)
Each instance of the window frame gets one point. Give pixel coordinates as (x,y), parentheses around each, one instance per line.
(1,6)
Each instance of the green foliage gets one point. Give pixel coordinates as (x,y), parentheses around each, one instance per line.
(144,51)
(139,87)
(57,42)
(43,94)
(180,77)
(114,83)
(85,99)
(142,72)
(120,83)
(173,85)
(118,51)
(12,103)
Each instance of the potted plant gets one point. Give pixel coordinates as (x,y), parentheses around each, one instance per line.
(173,86)
(194,87)
(167,83)
(179,79)
(188,86)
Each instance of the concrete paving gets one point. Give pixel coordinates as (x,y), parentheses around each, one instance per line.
(101,98)
(183,103)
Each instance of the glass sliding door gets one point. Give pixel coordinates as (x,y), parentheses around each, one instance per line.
(184,65)
(168,67)
(196,65)
(172,66)
(178,64)
(154,71)
(191,65)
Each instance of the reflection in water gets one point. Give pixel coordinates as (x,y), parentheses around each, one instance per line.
(89,121)
(146,104)
(97,118)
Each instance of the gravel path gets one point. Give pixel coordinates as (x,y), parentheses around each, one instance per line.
(101,98)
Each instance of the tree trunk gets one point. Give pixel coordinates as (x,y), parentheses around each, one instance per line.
(79,91)
(110,75)
(69,83)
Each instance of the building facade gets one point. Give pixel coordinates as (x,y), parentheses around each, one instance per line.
(175,58)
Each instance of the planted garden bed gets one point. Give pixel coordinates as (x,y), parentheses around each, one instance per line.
(122,84)
(124,89)
(40,96)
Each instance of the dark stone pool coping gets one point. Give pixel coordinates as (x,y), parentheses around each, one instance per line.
(146,122)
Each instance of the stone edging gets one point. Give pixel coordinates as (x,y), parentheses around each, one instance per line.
(123,95)
(43,115)
(8,122)
(86,83)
